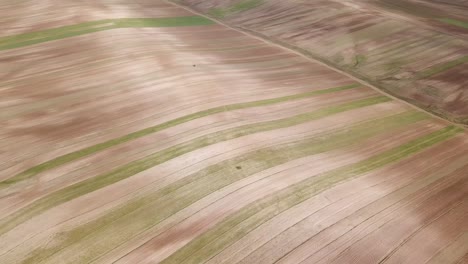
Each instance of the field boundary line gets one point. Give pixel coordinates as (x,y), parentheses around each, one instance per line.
(304,54)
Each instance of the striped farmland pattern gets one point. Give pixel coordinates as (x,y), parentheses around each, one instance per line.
(151,135)
(414,50)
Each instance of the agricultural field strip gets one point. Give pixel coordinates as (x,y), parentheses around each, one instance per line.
(425,73)
(342,196)
(96,164)
(31,172)
(368,216)
(175,115)
(215,212)
(454,22)
(16,81)
(139,148)
(381,110)
(185,185)
(270,181)
(435,69)
(336,257)
(263,69)
(436,41)
(268,26)
(53,69)
(27,107)
(454,211)
(205,155)
(236,7)
(295,250)
(21,80)
(450,194)
(281,62)
(127,170)
(176,173)
(455,225)
(453,252)
(25,39)
(443,67)
(244,188)
(259,212)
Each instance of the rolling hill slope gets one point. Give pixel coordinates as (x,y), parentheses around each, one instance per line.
(139,132)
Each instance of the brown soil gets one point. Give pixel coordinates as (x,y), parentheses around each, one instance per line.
(156,249)
(376,41)
(61,96)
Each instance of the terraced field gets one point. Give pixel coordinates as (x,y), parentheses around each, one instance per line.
(139,132)
(414,50)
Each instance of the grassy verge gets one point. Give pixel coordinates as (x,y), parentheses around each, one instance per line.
(101,235)
(25,39)
(81,188)
(250,217)
(56,162)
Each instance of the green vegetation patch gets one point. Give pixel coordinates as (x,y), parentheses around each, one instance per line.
(359,60)
(217,12)
(25,39)
(162,22)
(442,67)
(99,236)
(33,171)
(247,219)
(240,6)
(81,188)
(454,22)
(245,5)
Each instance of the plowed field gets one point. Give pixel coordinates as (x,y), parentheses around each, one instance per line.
(416,50)
(139,132)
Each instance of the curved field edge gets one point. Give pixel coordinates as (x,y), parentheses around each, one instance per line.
(78,189)
(240,224)
(26,39)
(132,218)
(61,160)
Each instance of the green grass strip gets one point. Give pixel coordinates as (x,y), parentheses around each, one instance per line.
(247,219)
(56,162)
(81,188)
(454,22)
(103,234)
(443,67)
(240,6)
(25,39)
